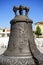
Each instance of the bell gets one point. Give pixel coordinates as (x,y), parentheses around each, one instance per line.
(20,33)
(21,47)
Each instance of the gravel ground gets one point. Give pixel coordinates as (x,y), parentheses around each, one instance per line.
(40,49)
(2,50)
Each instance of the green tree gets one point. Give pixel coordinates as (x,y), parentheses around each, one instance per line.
(38,31)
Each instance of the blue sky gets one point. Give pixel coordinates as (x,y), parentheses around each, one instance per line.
(6,11)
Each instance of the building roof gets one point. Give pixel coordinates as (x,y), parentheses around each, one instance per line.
(39,23)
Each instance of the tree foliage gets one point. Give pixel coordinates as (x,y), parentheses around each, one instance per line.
(38,31)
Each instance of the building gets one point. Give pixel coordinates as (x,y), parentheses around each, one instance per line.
(1,30)
(4,32)
(40,24)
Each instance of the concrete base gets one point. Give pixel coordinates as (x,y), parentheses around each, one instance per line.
(7,60)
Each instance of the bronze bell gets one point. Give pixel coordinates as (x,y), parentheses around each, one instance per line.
(21,26)
(21,47)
